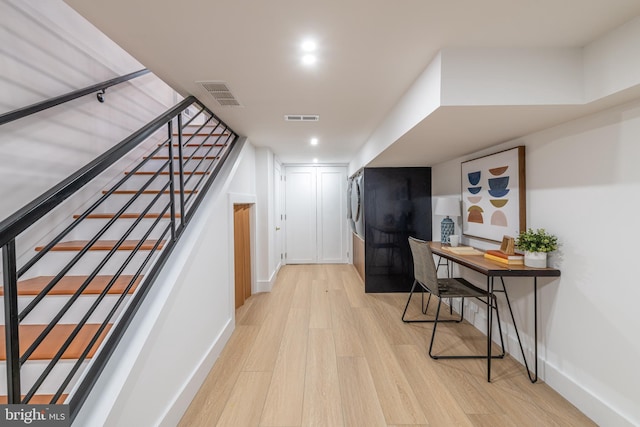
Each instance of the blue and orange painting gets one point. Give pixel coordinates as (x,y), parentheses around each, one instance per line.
(475,212)
(498,189)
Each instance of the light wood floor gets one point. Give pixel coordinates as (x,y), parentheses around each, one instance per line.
(318,351)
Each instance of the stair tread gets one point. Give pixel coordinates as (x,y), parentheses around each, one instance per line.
(148,191)
(185,157)
(167,173)
(206,144)
(205,133)
(38,399)
(51,344)
(68,285)
(126,215)
(195,144)
(103,245)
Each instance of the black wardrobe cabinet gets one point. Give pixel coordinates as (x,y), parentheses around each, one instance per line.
(397,204)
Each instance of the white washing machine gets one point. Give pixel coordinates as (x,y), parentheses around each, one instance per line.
(356,204)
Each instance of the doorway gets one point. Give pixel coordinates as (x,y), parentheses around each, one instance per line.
(316,214)
(242,252)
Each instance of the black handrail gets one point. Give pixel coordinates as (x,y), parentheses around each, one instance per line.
(29,214)
(40,106)
(206,160)
(207,166)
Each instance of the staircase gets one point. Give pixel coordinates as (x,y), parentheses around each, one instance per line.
(68,300)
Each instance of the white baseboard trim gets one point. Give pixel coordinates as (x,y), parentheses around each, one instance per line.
(267,285)
(178,407)
(478,319)
(592,406)
(586,401)
(264,286)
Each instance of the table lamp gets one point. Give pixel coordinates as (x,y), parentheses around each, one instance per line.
(447,206)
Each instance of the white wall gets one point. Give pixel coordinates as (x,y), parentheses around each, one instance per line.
(511,76)
(606,70)
(583,181)
(612,63)
(49,50)
(185,321)
(265,234)
(422,99)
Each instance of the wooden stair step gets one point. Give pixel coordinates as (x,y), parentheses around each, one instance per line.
(51,344)
(38,399)
(191,133)
(167,173)
(195,144)
(148,191)
(126,216)
(68,285)
(104,245)
(206,144)
(185,157)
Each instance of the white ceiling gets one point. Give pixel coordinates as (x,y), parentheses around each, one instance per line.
(370,52)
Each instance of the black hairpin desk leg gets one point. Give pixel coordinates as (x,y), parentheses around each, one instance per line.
(533,378)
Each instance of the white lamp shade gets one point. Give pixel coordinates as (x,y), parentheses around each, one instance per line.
(447,206)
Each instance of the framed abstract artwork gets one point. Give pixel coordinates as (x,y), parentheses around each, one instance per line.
(493,195)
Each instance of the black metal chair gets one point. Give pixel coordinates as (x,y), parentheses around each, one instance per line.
(425,275)
(424,307)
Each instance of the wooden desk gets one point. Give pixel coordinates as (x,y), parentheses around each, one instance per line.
(493,269)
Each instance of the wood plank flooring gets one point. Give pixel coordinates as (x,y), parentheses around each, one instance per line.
(318,351)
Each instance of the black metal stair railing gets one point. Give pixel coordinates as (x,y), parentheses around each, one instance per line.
(180,163)
(99,89)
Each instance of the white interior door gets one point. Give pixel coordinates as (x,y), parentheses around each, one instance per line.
(316,214)
(278,180)
(300,214)
(332,214)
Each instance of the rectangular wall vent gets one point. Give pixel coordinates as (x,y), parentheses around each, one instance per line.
(302,117)
(221,93)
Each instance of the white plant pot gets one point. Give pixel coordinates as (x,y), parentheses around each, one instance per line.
(535,259)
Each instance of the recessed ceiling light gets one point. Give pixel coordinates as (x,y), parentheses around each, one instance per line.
(309,59)
(315,160)
(309,45)
(314,141)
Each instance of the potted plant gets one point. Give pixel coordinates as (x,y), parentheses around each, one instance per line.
(536,245)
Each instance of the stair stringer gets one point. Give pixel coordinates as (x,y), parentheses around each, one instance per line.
(183,323)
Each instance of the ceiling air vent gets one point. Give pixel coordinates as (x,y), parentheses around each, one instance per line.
(302,117)
(221,93)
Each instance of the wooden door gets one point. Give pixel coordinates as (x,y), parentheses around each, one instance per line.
(242,252)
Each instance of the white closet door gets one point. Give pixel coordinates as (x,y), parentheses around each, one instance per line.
(300,211)
(316,213)
(332,214)
(279,214)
